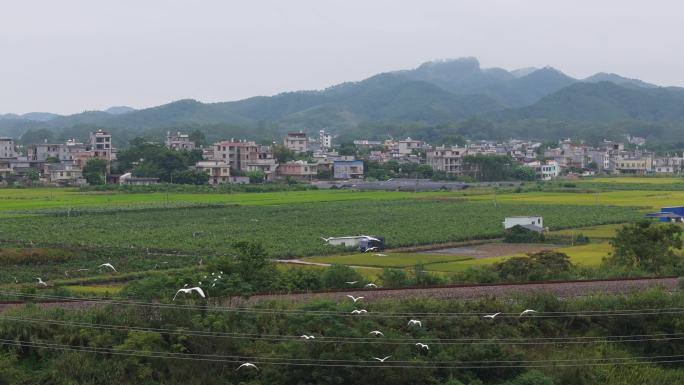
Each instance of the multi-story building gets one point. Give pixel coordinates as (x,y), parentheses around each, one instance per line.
(324,140)
(264,163)
(297,141)
(62,174)
(545,170)
(7,148)
(348,169)
(219,172)
(100,145)
(447,158)
(43,151)
(635,163)
(179,142)
(298,169)
(238,154)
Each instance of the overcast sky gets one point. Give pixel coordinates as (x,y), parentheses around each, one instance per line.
(67,56)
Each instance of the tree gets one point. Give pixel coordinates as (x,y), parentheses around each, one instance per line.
(348,149)
(95,171)
(544,265)
(282,154)
(337,276)
(256,176)
(195,177)
(31,176)
(646,245)
(197,136)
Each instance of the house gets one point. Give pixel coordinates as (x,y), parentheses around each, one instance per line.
(63,174)
(298,169)
(238,154)
(100,145)
(535,223)
(179,142)
(8,150)
(545,170)
(348,169)
(324,140)
(297,141)
(129,179)
(219,172)
(447,158)
(264,163)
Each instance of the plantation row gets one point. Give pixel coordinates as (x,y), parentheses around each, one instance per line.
(295,230)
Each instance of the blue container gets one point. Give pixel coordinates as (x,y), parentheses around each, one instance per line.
(678,210)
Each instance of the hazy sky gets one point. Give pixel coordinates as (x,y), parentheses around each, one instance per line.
(67,56)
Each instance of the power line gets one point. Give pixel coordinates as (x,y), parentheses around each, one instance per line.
(369,340)
(586,313)
(354,363)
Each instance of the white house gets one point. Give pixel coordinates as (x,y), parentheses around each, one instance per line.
(535,223)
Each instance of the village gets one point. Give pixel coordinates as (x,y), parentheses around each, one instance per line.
(318,158)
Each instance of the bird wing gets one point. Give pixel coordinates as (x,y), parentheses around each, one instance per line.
(199,291)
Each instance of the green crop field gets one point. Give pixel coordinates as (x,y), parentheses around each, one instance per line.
(293,230)
(386,260)
(18,200)
(593,232)
(632,180)
(648,200)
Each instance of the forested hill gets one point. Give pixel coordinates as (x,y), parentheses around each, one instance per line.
(434,101)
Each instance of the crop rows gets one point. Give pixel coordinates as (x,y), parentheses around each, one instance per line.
(295,230)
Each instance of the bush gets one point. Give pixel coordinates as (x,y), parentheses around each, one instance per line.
(519,234)
(337,276)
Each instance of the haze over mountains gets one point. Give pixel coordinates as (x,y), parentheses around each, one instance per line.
(436,100)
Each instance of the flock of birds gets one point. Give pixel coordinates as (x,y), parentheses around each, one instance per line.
(422,347)
(215,277)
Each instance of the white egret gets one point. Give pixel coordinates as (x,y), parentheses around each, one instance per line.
(247,365)
(527,312)
(415,322)
(109,265)
(491,316)
(354,298)
(377,333)
(381,359)
(40,282)
(189,290)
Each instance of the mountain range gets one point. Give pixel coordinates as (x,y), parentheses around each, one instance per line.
(437,99)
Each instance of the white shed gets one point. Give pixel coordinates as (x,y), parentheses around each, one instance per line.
(536,221)
(352,241)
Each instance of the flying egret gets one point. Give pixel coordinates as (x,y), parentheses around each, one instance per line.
(40,282)
(422,346)
(109,265)
(362,311)
(381,359)
(371,285)
(415,322)
(491,316)
(190,290)
(368,250)
(527,311)
(247,365)
(377,333)
(351,282)
(354,298)
(307,337)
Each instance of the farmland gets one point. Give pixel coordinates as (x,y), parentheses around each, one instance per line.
(647,200)
(293,230)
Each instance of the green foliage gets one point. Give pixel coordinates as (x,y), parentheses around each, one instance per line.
(544,265)
(648,246)
(406,222)
(337,276)
(282,154)
(394,278)
(256,176)
(154,160)
(198,137)
(533,377)
(347,149)
(519,234)
(495,168)
(95,171)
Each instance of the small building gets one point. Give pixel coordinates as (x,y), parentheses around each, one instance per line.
(219,172)
(8,149)
(297,141)
(535,223)
(348,169)
(179,142)
(61,174)
(365,241)
(129,179)
(298,169)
